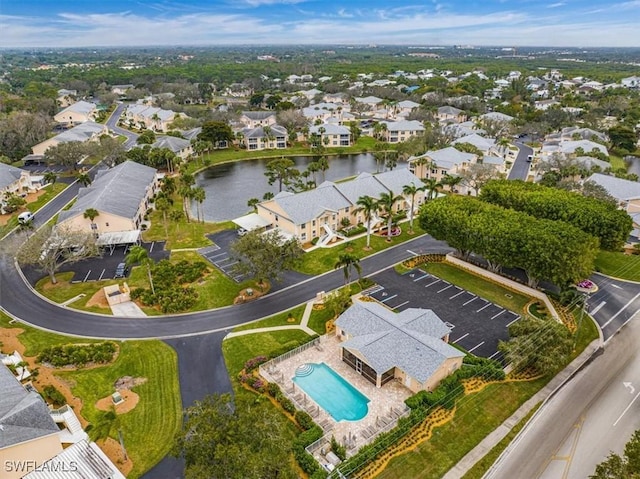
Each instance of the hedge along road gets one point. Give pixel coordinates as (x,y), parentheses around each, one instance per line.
(19,300)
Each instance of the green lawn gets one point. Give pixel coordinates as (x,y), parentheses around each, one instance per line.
(279,319)
(49,192)
(149,429)
(482,466)
(157,415)
(319,318)
(617,163)
(479,285)
(619,265)
(476,416)
(322,260)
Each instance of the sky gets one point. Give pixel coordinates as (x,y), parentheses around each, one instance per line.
(83,23)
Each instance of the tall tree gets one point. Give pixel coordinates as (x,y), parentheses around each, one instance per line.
(282,171)
(216,132)
(264,255)
(163,205)
(83,178)
(50,248)
(50,177)
(220,439)
(347,261)
(68,154)
(199,195)
(368,207)
(625,467)
(147,137)
(139,255)
(412,190)
(385,203)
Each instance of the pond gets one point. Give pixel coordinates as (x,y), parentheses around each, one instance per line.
(229,186)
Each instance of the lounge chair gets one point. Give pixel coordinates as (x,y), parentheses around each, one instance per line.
(366,434)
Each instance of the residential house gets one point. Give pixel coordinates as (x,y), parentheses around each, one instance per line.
(265,137)
(544,105)
(150,117)
(405,107)
(30,437)
(76,113)
(450,114)
(319,213)
(485,145)
(321,112)
(88,131)
(121,89)
(181,147)
(496,116)
(373,102)
(121,195)
(254,119)
(332,135)
(577,133)
(438,164)
(466,128)
(66,97)
(340,98)
(399,131)
(570,146)
(410,346)
(13,180)
(631,82)
(626,193)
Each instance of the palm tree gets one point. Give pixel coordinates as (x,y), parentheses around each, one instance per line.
(139,255)
(368,207)
(50,177)
(323,166)
(163,205)
(91,214)
(386,202)
(199,196)
(84,179)
(432,185)
(168,185)
(253,203)
(186,181)
(412,190)
(347,261)
(451,182)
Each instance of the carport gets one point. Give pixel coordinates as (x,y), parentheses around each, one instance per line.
(252,221)
(118,238)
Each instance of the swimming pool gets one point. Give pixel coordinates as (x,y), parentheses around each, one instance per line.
(332,392)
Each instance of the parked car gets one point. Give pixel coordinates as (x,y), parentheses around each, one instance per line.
(25,217)
(121,270)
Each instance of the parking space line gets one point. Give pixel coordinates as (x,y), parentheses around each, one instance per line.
(85,278)
(485,306)
(476,347)
(498,314)
(401,304)
(101,274)
(494,355)
(216,255)
(151,248)
(598,308)
(517,318)
(445,288)
(421,278)
(436,281)
(387,299)
(461,337)
(472,299)
(457,294)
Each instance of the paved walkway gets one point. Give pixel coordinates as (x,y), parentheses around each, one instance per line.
(127,309)
(302,326)
(477,453)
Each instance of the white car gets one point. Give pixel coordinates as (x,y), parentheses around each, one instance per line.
(25,217)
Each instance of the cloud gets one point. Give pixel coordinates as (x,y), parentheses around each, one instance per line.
(556,5)
(258,3)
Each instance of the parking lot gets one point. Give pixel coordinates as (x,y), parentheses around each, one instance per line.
(477,324)
(219,254)
(96,269)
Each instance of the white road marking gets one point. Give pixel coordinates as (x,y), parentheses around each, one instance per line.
(476,347)
(485,306)
(420,278)
(517,318)
(411,252)
(85,278)
(615,286)
(387,299)
(494,355)
(496,315)
(457,294)
(101,274)
(152,244)
(436,281)
(461,337)
(401,304)
(445,288)
(472,299)
(623,308)
(597,308)
(626,409)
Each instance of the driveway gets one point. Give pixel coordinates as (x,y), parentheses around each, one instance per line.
(96,269)
(219,255)
(477,324)
(520,167)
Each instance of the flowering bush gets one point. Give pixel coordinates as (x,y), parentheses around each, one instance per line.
(253,363)
(586,284)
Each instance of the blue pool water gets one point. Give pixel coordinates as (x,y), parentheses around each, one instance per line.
(332,392)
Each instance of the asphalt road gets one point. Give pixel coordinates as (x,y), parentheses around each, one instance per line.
(18,299)
(591,415)
(614,304)
(112,123)
(520,167)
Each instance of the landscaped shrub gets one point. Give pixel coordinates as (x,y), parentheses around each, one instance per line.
(356,230)
(304,420)
(287,405)
(51,394)
(253,363)
(78,354)
(338,449)
(304,459)
(274,390)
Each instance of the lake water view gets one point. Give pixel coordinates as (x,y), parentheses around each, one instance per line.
(229,186)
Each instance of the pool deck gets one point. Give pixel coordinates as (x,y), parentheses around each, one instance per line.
(386,404)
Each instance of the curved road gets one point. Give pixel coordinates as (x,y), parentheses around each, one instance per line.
(520,168)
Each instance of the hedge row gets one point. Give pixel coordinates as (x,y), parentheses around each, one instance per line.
(78,354)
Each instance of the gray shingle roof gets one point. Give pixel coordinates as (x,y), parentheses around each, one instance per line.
(617,187)
(308,205)
(447,157)
(410,340)
(118,190)
(88,463)
(24,416)
(330,129)
(8,175)
(276,130)
(174,143)
(258,115)
(82,132)
(83,107)
(406,125)
(449,110)
(480,142)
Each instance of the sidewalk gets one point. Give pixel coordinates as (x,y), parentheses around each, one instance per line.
(477,453)
(303,325)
